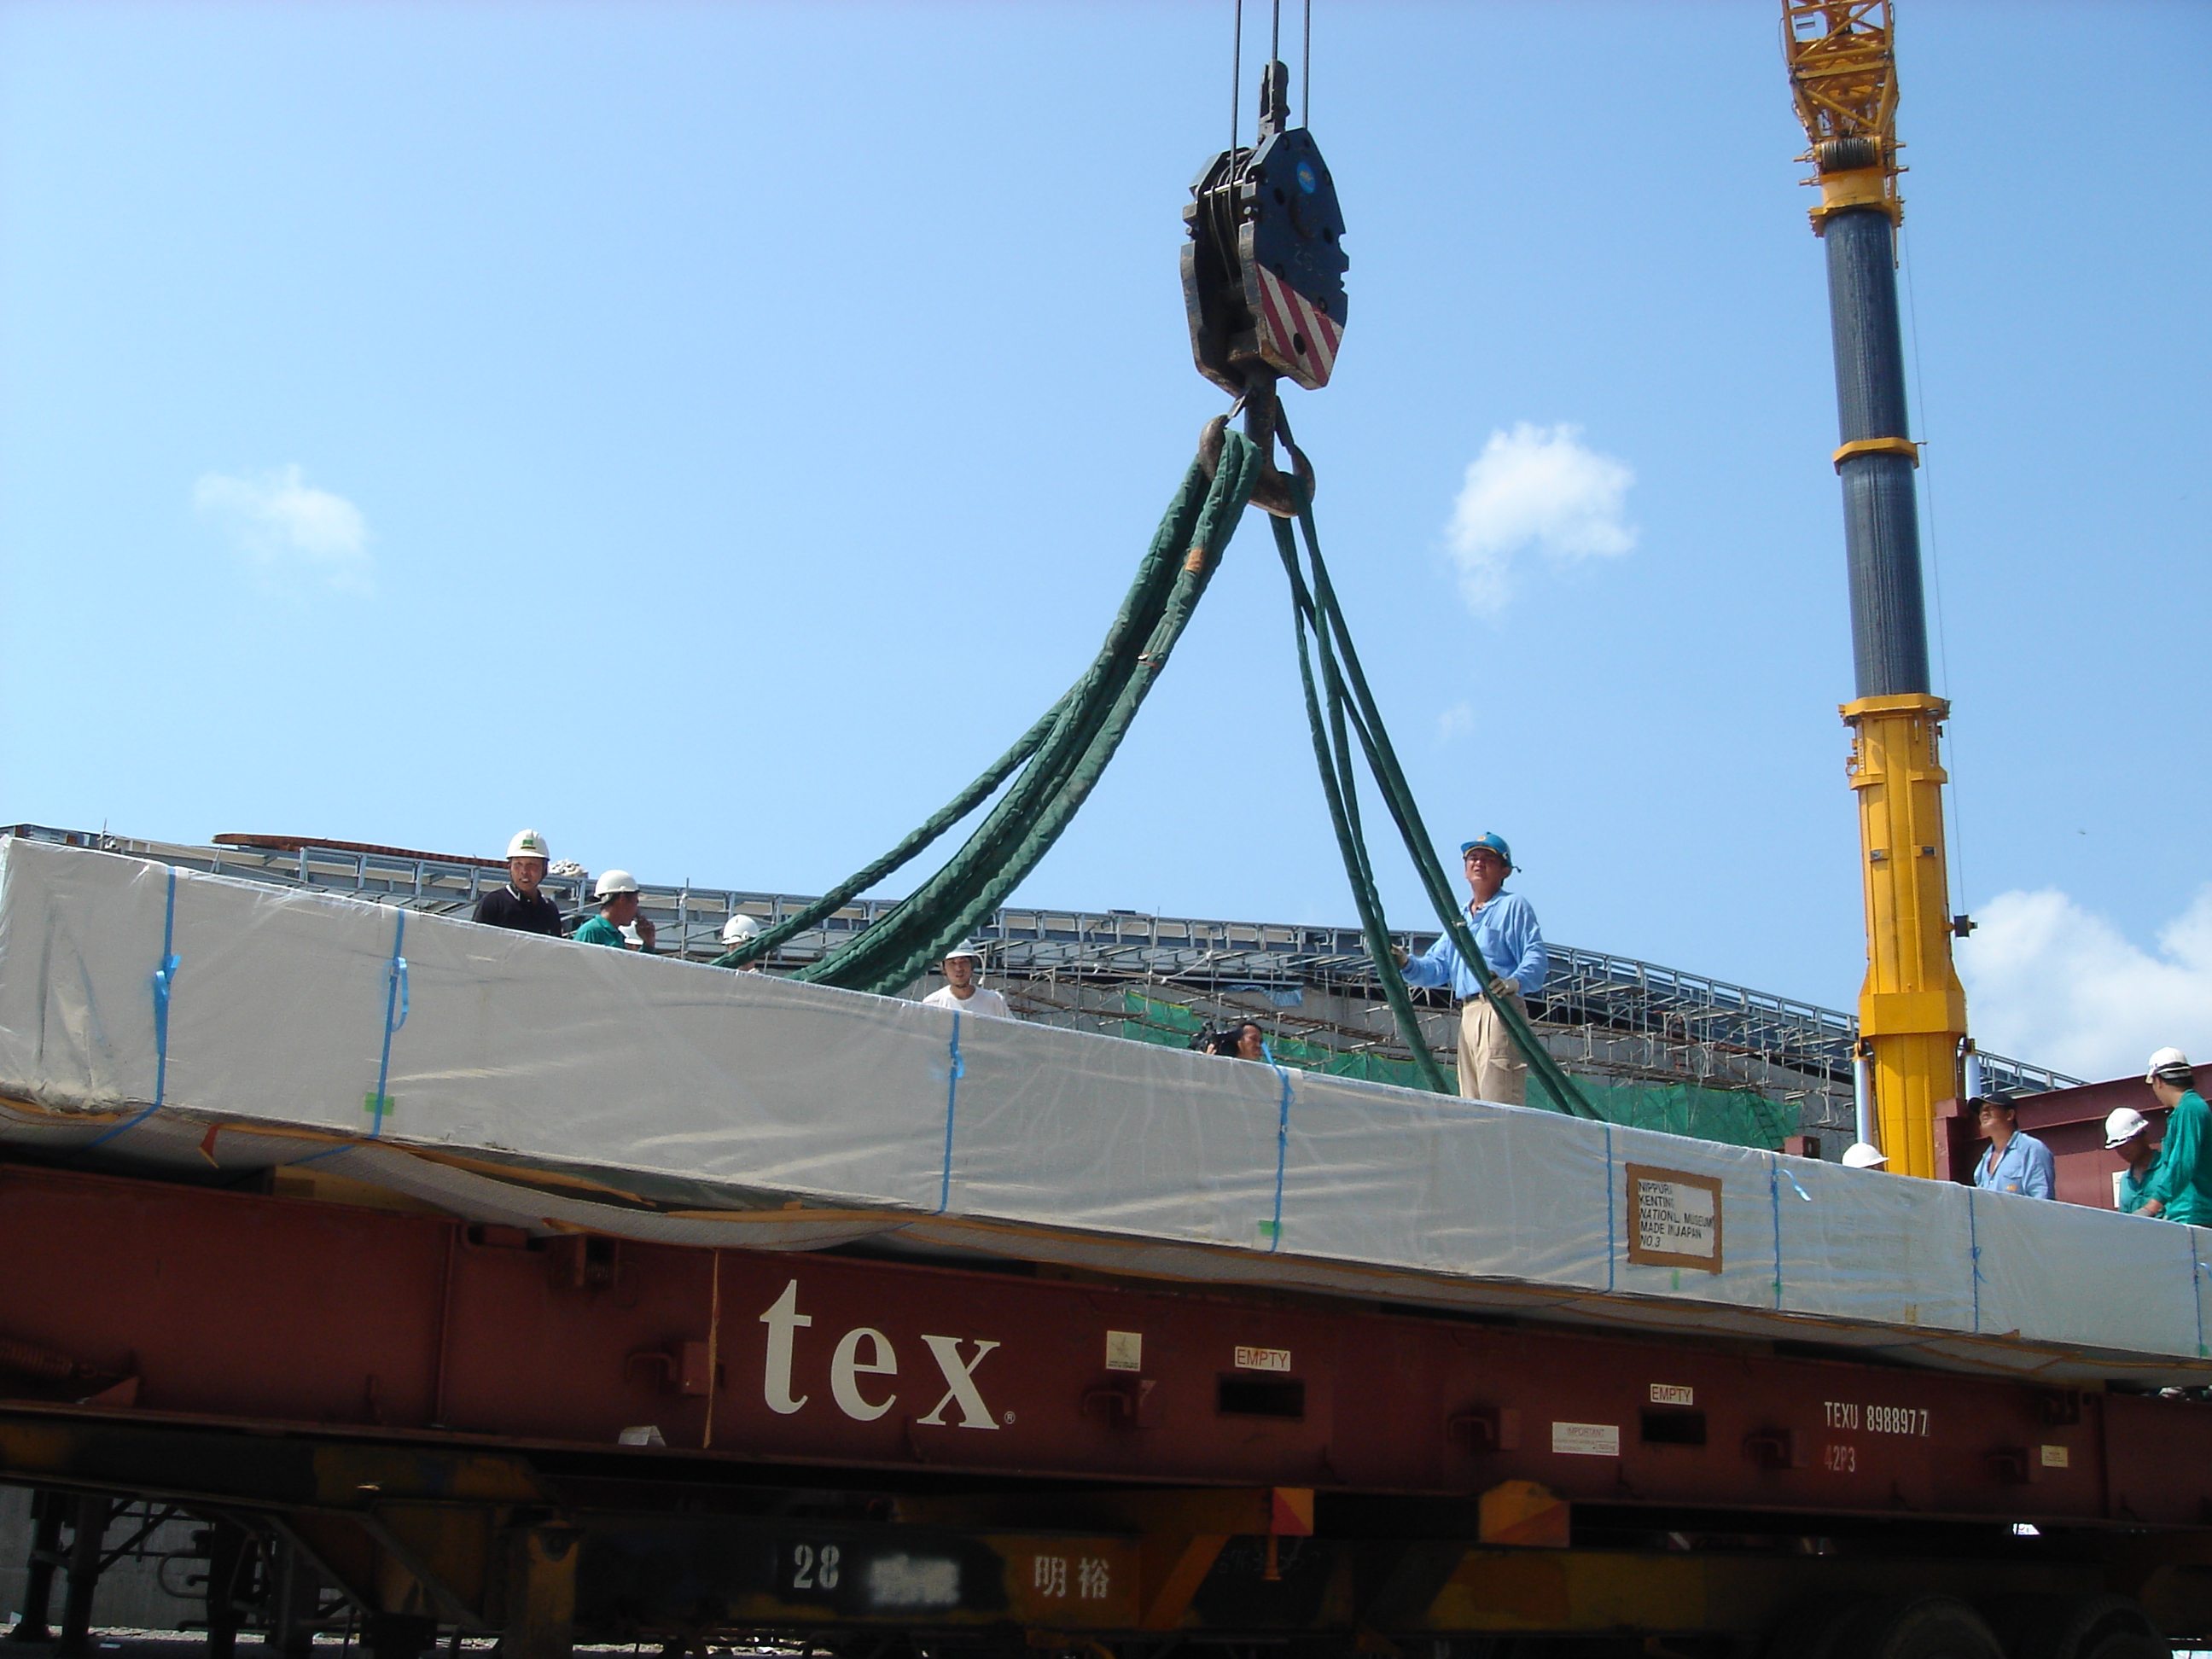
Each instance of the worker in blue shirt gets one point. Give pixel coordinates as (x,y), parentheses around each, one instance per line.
(2016,1161)
(1514,965)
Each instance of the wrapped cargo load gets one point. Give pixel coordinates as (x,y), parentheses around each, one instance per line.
(150,1015)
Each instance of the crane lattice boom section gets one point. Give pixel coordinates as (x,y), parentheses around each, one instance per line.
(1841,69)
(1842,78)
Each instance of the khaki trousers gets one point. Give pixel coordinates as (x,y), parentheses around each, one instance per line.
(1490,1067)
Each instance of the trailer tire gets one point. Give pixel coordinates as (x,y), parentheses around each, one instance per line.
(1919,1627)
(2078,1627)
(1812,1629)
(2132,1646)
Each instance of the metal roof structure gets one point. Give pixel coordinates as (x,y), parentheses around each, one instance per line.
(1593,990)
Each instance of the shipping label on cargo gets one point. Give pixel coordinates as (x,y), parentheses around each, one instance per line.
(1673,1219)
(1125,1351)
(1586,1439)
(1673,1394)
(1263,1359)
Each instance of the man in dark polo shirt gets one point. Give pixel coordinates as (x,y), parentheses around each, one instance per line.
(519,905)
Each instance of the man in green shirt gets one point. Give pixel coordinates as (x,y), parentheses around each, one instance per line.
(617,892)
(2127,1131)
(2180,1187)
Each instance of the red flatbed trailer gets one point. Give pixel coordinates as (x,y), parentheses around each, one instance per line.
(842,1450)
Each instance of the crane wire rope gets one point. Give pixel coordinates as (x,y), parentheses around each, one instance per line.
(1305,72)
(1955,864)
(1236,77)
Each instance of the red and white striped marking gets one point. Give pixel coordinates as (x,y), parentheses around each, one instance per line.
(1296,335)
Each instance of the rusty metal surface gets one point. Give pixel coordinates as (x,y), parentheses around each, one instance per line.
(267,1311)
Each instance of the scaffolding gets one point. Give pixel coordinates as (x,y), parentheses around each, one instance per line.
(1618,1022)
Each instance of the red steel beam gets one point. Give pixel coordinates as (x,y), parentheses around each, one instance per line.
(282,1310)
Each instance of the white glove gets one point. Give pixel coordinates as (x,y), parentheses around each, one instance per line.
(1504,988)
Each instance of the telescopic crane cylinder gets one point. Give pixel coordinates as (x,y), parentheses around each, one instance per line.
(1913,1009)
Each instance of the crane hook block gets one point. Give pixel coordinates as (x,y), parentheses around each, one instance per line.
(1263,271)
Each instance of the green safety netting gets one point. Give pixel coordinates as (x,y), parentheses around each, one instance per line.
(1734,1117)
(1151,1020)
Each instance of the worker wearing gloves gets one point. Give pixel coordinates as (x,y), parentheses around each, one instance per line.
(2127,1131)
(2179,1188)
(1514,964)
(960,992)
(518,905)
(2016,1161)
(617,892)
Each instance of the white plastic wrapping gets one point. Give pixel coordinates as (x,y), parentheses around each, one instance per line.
(553,1084)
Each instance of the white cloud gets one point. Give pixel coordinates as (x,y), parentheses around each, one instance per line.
(285,526)
(1535,486)
(2050,982)
(1455,722)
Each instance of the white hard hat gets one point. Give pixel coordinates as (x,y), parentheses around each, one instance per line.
(965,951)
(1863,1155)
(2122,1125)
(739,928)
(615,881)
(528,844)
(2166,1059)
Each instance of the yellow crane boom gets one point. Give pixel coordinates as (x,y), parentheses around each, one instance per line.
(1913,1009)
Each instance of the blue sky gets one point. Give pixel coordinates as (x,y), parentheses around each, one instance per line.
(708,433)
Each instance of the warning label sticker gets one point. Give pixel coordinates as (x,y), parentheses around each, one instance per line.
(1587,1439)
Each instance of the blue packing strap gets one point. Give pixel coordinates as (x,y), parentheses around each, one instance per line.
(1608,1208)
(1776,1175)
(1774,1200)
(395,1003)
(165,980)
(2197,1284)
(1282,1154)
(957,1070)
(317,1157)
(1974,1254)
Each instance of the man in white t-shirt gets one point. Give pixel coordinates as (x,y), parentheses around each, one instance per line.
(962,968)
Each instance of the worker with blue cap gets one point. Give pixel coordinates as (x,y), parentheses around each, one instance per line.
(1514,964)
